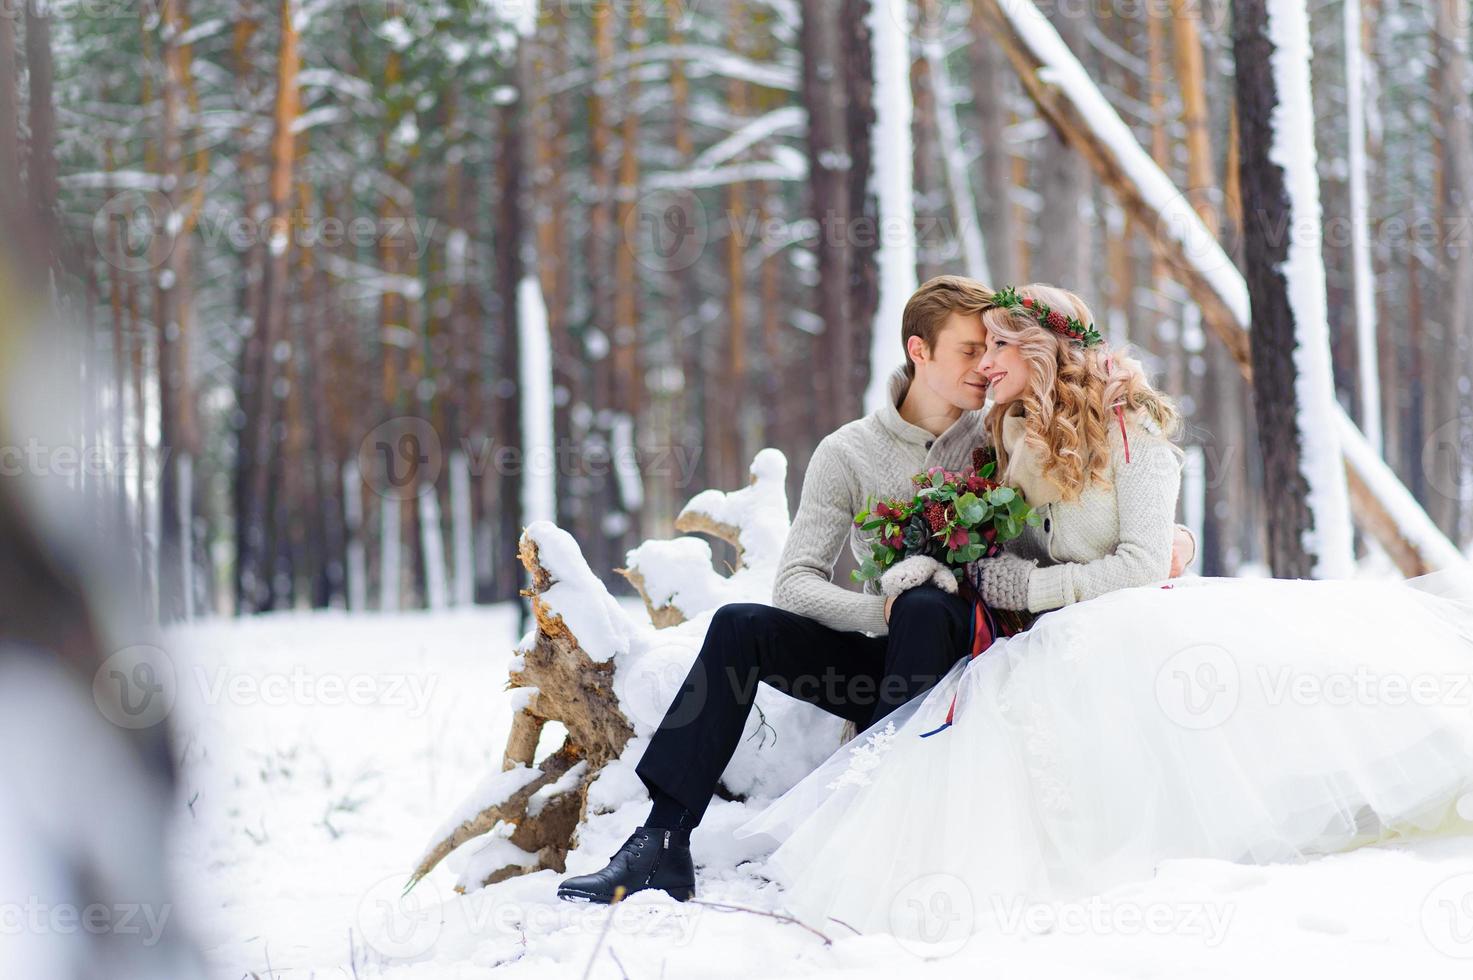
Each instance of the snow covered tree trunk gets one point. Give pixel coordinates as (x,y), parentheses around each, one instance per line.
(539,476)
(890,37)
(953,157)
(462,529)
(389,549)
(1309,533)
(357,567)
(1364,275)
(432,543)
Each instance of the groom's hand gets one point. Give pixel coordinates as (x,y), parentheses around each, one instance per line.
(889,601)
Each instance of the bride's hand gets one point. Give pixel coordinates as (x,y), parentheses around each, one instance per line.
(1183,550)
(1002,582)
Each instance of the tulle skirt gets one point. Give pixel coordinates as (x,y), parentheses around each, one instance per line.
(1251,720)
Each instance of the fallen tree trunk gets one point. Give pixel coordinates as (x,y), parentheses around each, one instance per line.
(1084,118)
(607,679)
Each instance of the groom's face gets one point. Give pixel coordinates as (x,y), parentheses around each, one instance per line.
(952,368)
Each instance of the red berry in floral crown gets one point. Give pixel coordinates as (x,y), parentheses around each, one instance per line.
(1055,320)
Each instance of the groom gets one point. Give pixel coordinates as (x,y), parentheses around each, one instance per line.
(858,655)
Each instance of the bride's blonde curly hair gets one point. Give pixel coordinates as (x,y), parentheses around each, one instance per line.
(1069,400)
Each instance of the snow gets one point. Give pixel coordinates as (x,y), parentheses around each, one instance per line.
(260,877)
(788,119)
(567,782)
(894,187)
(534,373)
(1329,537)
(497,787)
(578,596)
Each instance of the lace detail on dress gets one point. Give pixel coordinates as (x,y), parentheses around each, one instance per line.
(863,758)
(1040,749)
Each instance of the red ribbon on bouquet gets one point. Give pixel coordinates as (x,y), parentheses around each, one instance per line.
(987,625)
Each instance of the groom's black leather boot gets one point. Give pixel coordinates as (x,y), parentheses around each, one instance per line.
(652,857)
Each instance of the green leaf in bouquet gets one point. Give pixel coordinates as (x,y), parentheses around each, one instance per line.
(938,478)
(971,552)
(1010,528)
(970,510)
(1002,495)
(871,525)
(1033,519)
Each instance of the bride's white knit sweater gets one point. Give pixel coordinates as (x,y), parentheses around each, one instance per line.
(1107,539)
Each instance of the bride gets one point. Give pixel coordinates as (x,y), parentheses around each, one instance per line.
(1137,718)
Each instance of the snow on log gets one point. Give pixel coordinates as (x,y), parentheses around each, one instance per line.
(676,577)
(1066,96)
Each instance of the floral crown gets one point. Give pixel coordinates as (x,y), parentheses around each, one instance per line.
(1054,320)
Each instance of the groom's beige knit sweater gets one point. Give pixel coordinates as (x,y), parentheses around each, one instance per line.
(1108,539)
(875,455)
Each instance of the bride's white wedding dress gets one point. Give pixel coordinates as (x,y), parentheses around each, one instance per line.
(1252,720)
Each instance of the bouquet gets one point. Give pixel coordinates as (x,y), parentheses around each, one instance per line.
(953,517)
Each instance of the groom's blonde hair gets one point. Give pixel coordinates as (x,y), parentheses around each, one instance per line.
(928,308)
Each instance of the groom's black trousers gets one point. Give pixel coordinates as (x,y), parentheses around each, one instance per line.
(853,675)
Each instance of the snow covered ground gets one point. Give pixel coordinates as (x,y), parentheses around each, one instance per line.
(321,750)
